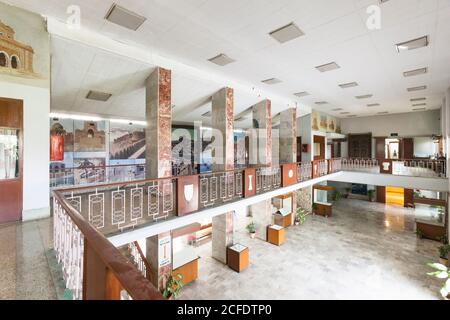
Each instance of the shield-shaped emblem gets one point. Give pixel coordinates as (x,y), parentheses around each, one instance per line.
(386,166)
(250,183)
(189,192)
(291,173)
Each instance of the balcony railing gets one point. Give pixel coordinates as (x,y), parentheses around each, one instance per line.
(84,215)
(93,268)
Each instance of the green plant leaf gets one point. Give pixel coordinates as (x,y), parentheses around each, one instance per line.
(444,292)
(438,266)
(442,275)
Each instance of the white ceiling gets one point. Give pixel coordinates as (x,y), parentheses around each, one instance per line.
(192,31)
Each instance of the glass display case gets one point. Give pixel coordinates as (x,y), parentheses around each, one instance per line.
(9,153)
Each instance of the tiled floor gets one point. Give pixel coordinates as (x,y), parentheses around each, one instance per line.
(365,251)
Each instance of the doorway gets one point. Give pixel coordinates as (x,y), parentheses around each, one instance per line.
(395,196)
(11,150)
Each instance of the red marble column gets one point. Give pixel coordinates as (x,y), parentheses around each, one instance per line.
(223,130)
(159,163)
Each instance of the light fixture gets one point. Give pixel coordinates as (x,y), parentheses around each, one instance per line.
(419,105)
(415,72)
(221,60)
(124,17)
(337,109)
(366,96)
(271,81)
(98,96)
(345,112)
(417,88)
(301,94)
(319,103)
(413,44)
(348,85)
(419,109)
(287,33)
(373,105)
(418,99)
(328,67)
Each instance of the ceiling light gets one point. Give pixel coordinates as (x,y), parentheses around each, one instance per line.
(415,72)
(366,96)
(98,96)
(384,112)
(373,105)
(271,81)
(337,109)
(321,103)
(413,44)
(418,99)
(287,33)
(345,112)
(348,85)
(221,60)
(419,109)
(417,88)
(301,94)
(124,17)
(207,114)
(328,67)
(419,105)
(351,116)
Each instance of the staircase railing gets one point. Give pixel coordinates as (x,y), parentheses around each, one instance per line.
(140,260)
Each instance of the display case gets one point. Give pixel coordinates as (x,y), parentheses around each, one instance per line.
(9,153)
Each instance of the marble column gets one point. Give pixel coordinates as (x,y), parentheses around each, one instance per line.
(288,145)
(262,125)
(159,163)
(222,120)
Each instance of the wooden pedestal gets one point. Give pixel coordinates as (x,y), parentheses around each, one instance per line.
(283,221)
(325,210)
(430,230)
(189,271)
(238,257)
(276,235)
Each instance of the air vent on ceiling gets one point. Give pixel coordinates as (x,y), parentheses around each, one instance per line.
(418,99)
(221,60)
(98,96)
(373,105)
(384,112)
(271,81)
(301,94)
(417,88)
(415,72)
(321,103)
(348,85)
(419,105)
(366,96)
(419,109)
(124,17)
(345,112)
(337,109)
(413,44)
(287,33)
(207,114)
(328,67)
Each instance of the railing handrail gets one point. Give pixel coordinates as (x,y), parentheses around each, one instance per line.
(131,279)
(97,167)
(144,259)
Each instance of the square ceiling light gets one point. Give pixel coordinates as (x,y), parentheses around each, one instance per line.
(301,94)
(328,67)
(124,17)
(366,96)
(320,103)
(417,88)
(221,60)
(271,81)
(415,72)
(418,99)
(419,109)
(98,96)
(337,109)
(345,112)
(348,85)
(419,105)
(287,33)
(373,105)
(413,44)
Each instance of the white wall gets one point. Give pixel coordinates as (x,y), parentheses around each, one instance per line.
(424,147)
(36,105)
(304,123)
(405,124)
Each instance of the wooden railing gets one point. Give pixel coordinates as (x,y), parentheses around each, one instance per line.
(93,268)
(140,260)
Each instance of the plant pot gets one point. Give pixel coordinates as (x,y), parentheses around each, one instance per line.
(253,235)
(297,223)
(443,261)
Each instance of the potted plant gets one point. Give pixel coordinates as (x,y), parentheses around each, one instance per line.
(251,228)
(371,194)
(314,208)
(443,254)
(347,192)
(441,272)
(419,234)
(300,217)
(173,286)
(337,196)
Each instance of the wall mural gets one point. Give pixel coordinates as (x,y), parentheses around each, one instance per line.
(24,46)
(324,123)
(88,172)
(90,136)
(126,142)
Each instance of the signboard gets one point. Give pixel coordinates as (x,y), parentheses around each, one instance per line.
(165,251)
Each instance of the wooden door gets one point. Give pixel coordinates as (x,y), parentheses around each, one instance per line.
(409,198)
(407,149)
(381,194)
(380,148)
(320,155)
(360,146)
(11,151)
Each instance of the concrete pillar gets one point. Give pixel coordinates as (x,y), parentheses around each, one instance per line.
(288,145)
(222,120)
(158,163)
(262,125)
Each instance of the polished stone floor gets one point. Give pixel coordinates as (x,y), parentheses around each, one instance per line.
(365,251)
